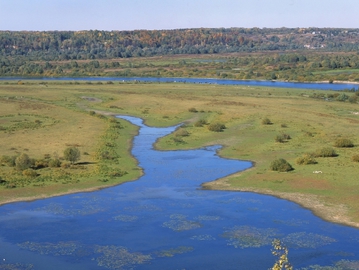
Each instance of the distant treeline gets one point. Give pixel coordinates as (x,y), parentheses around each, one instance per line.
(94,44)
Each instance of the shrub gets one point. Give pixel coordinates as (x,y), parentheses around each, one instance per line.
(192,110)
(92,113)
(355,158)
(23,162)
(72,154)
(282,138)
(181,133)
(266,121)
(118,173)
(41,163)
(283,125)
(54,163)
(9,161)
(280,165)
(342,97)
(306,159)
(178,140)
(343,142)
(216,127)
(200,123)
(325,152)
(29,173)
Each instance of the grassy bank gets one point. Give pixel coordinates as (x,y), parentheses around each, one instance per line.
(312,119)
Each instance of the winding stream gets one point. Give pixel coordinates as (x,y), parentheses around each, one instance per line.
(165,221)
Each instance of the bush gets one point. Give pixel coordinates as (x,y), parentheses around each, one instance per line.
(343,142)
(216,127)
(280,165)
(9,161)
(23,162)
(266,121)
(29,173)
(306,159)
(355,158)
(54,163)
(41,163)
(282,138)
(200,123)
(192,110)
(181,133)
(325,152)
(72,154)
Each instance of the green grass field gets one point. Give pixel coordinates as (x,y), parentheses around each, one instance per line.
(62,110)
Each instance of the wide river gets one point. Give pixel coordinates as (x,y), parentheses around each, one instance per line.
(318,86)
(165,221)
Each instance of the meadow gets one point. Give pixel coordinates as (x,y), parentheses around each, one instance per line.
(43,119)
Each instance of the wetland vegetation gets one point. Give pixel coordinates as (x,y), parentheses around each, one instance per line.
(320,141)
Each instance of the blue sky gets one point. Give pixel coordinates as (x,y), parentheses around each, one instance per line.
(173,14)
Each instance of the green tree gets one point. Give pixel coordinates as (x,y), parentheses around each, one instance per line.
(23,162)
(72,154)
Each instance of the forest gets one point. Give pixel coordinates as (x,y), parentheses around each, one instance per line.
(297,54)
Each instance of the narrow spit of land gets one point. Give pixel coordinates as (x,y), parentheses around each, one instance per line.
(72,114)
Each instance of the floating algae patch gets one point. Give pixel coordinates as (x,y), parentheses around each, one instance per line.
(291,222)
(306,240)
(57,209)
(125,218)
(149,208)
(181,223)
(16,266)
(56,249)
(248,237)
(208,218)
(117,257)
(173,251)
(203,237)
(340,265)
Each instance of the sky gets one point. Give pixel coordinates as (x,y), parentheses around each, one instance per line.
(76,15)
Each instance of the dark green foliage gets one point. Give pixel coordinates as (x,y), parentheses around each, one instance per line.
(216,127)
(343,142)
(41,163)
(23,162)
(200,123)
(281,138)
(280,165)
(29,173)
(117,173)
(54,163)
(325,152)
(192,110)
(72,154)
(177,140)
(8,160)
(181,133)
(306,159)
(342,97)
(266,121)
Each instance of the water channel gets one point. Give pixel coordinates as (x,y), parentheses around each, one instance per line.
(165,221)
(303,85)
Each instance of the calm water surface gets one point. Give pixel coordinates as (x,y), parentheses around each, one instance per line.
(313,86)
(165,221)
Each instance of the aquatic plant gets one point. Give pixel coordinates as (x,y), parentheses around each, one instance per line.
(307,240)
(180,223)
(173,251)
(246,236)
(117,257)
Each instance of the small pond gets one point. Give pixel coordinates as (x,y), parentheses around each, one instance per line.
(165,221)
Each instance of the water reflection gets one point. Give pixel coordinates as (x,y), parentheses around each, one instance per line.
(164,221)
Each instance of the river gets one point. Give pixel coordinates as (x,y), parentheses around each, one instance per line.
(314,86)
(165,221)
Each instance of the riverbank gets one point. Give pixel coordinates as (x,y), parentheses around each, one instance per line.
(332,213)
(240,108)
